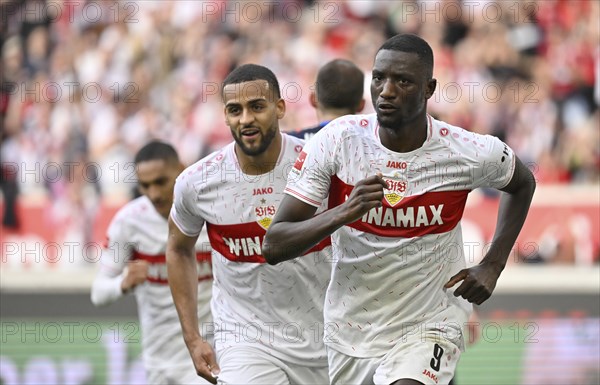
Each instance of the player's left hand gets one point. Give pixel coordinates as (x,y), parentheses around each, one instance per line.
(478,283)
(204,359)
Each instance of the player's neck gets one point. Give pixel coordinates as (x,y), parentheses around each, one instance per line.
(329,115)
(262,163)
(405,138)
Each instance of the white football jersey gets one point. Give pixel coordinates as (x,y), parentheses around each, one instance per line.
(275,308)
(138,231)
(390,266)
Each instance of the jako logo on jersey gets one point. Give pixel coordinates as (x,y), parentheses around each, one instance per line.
(419,216)
(396,189)
(430,375)
(264,215)
(300,161)
(262,191)
(395,164)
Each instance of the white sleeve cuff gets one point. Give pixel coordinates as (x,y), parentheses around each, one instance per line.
(106,289)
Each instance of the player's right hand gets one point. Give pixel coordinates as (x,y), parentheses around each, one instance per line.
(205,362)
(366,194)
(136,273)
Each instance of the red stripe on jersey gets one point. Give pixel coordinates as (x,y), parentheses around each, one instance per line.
(242,242)
(161,259)
(201,256)
(162,281)
(414,216)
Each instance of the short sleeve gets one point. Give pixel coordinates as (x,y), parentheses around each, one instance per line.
(182,212)
(310,177)
(496,164)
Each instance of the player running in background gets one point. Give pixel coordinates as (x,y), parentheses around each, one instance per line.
(268,319)
(397,182)
(338,91)
(134,261)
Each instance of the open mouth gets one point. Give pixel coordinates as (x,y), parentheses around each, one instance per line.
(250,133)
(386,107)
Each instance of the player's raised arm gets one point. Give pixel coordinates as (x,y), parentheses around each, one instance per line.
(479,281)
(183,280)
(296,229)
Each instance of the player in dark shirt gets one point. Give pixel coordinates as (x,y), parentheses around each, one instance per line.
(338,91)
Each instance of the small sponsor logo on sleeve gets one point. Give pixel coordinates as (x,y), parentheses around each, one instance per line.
(300,161)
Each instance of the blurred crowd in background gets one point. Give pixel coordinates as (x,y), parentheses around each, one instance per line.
(86,84)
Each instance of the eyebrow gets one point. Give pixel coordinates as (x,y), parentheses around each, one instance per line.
(153,181)
(236,103)
(394,73)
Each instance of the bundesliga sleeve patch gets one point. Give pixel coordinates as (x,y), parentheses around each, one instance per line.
(300,161)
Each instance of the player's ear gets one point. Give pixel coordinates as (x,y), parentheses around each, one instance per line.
(431,84)
(312,98)
(361,105)
(280,108)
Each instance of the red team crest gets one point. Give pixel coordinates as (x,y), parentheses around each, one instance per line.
(443,131)
(300,161)
(264,215)
(396,190)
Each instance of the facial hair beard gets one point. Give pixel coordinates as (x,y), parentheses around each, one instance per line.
(266,140)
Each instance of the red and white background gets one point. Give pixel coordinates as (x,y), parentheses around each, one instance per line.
(86,83)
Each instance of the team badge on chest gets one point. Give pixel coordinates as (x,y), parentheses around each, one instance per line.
(264,214)
(397,185)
